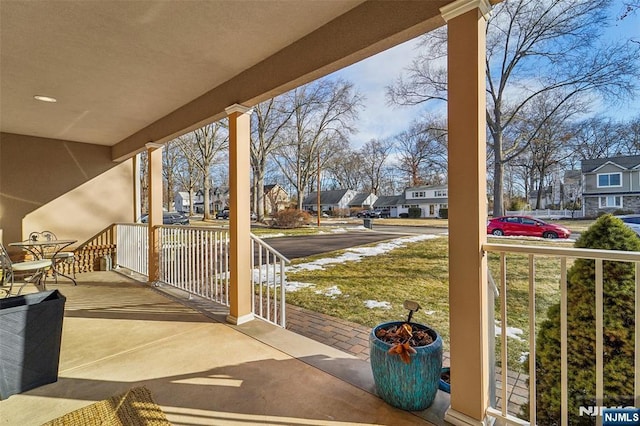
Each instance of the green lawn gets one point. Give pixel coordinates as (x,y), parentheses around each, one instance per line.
(419,272)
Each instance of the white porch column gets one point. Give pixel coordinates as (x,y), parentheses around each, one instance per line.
(240,299)
(154,154)
(467,212)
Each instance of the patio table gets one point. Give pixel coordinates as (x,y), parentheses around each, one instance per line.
(46,249)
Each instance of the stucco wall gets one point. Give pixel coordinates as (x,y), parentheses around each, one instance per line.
(72,189)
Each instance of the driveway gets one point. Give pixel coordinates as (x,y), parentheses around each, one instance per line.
(309,245)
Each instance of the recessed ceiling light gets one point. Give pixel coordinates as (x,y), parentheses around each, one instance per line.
(45,98)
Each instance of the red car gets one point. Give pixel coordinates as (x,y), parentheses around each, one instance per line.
(525,226)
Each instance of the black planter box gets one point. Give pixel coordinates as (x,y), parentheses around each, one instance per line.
(30,337)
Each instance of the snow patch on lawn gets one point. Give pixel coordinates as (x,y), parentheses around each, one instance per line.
(512,332)
(373,304)
(292,286)
(331,292)
(357,253)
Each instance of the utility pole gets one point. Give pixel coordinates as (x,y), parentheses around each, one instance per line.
(318,179)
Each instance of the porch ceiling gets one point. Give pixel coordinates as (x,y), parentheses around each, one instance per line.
(126,73)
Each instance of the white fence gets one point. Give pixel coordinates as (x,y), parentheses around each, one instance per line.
(565,256)
(547,213)
(196,260)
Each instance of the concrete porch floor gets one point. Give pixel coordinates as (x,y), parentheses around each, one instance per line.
(118,333)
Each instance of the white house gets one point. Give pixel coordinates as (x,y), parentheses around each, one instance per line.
(429,199)
(181,202)
(336,200)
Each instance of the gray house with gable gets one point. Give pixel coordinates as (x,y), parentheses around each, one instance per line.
(611,185)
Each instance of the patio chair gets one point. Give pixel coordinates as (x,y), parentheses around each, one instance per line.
(31,271)
(53,253)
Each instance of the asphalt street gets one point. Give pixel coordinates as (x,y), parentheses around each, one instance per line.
(309,245)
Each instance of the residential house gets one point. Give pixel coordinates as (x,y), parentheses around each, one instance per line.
(181,202)
(428,198)
(571,194)
(611,184)
(387,205)
(276,198)
(336,201)
(547,198)
(218,199)
(363,200)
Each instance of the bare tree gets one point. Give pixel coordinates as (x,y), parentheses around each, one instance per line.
(171,157)
(594,137)
(546,126)
(268,122)
(346,168)
(629,136)
(533,47)
(323,113)
(375,154)
(203,147)
(189,175)
(422,152)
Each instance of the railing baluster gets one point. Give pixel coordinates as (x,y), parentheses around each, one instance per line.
(532,339)
(564,363)
(503,330)
(637,333)
(599,339)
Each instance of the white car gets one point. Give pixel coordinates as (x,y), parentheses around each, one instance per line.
(632,221)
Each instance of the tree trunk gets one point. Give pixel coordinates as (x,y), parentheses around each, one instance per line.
(259,195)
(207,205)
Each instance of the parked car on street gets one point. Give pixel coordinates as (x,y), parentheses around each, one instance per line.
(369,213)
(525,226)
(170,218)
(632,221)
(223,214)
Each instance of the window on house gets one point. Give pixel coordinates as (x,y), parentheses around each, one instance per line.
(609,179)
(442,193)
(418,194)
(611,201)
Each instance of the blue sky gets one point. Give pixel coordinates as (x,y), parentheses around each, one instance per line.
(372,75)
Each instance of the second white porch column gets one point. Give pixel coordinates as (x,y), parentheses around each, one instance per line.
(467,213)
(240,310)
(154,155)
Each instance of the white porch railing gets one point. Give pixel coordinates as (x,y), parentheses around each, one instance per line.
(196,260)
(132,247)
(268,280)
(564,256)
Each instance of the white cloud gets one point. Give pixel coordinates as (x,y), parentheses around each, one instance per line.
(371,76)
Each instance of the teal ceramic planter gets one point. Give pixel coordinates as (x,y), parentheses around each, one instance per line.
(412,386)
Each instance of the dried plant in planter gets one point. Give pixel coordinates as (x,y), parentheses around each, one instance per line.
(405,337)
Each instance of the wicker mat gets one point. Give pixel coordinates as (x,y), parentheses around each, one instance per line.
(133,408)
